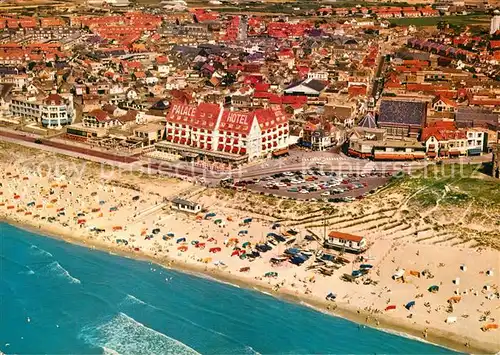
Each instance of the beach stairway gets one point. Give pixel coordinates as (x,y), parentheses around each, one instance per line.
(149,211)
(191,192)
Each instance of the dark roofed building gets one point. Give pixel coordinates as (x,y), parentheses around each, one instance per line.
(467,117)
(308,87)
(402,118)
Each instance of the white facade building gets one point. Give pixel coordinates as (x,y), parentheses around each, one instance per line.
(53,111)
(219,132)
(494,24)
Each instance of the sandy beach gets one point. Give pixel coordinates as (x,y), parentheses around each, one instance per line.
(131,216)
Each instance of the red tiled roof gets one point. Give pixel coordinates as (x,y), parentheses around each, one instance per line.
(100,115)
(204,115)
(345,236)
(262,87)
(442,133)
(236,121)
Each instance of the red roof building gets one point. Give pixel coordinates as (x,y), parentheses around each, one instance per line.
(212,130)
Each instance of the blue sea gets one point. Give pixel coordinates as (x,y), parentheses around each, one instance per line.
(58,298)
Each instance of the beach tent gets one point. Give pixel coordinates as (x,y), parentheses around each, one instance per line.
(254,254)
(102,202)
(271,274)
(276,225)
(136,198)
(331,296)
(454,299)
(180,240)
(433,288)
(230,219)
(171,235)
(292,251)
(210,215)
(292,232)
(390,307)
(365,266)
(194,242)
(398,274)
(207,260)
(263,247)
(451,320)
(117,228)
(214,250)
(246,244)
(200,245)
(247,220)
(490,326)
(218,221)
(182,248)
(242,232)
(245,269)
(113,209)
(409,305)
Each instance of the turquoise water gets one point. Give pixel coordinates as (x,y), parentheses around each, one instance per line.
(58,298)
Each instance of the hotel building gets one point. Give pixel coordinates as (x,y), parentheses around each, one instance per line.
(211,131)
(53,111)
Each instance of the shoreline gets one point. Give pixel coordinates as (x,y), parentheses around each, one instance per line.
(344,310)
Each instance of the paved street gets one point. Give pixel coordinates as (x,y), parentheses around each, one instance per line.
(299,160)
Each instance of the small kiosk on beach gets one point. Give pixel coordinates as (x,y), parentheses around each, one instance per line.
(344,241)
(185,205)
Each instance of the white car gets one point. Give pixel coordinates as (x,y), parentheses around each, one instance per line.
(281,184)
(269,178)
(304,191)
(326,193)
(288,173)
(321,163)
(294,181)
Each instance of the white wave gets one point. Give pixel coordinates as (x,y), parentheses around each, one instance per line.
(313,307)
(124,335)
(133,299)
(412,337)
(210,278)
(27,272)
(40,251)
(251,351)
(56,268)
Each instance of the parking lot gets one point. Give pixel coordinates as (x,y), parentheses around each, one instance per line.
(318,185)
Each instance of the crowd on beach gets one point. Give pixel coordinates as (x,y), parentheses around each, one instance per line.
(222,241)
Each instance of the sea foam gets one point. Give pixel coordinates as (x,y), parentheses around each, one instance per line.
(124,335)
(132,299)
(57,269)
(39,251)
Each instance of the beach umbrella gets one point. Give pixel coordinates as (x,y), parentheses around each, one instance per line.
(409,305)
(390,307)
(170,235)
(246,244)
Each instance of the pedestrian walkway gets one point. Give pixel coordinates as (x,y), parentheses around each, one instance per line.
(321,159)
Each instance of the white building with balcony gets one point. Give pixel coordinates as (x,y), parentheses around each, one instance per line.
(53,111)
